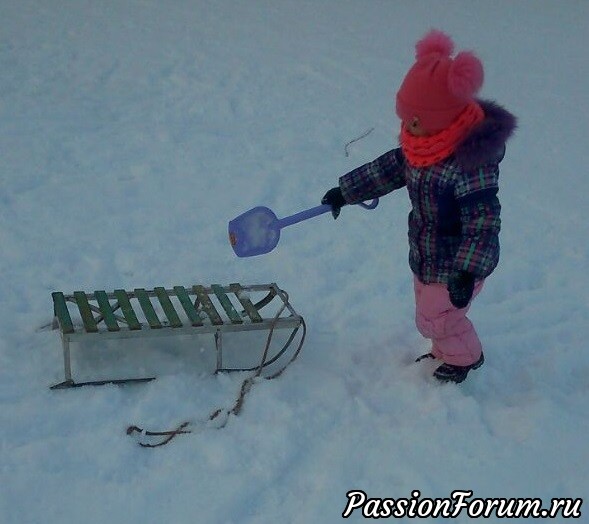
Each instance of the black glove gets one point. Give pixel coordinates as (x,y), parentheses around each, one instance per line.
(335,199)
(460,288)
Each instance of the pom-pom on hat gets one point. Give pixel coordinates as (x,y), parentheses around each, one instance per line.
(438,87)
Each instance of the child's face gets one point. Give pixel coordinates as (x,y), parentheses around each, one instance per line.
(414,127)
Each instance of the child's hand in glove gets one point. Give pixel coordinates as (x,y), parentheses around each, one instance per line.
(335,199)
(460,288)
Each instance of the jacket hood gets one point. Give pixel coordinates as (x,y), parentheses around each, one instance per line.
(486,142)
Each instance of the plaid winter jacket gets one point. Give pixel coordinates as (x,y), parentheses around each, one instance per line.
(454,222)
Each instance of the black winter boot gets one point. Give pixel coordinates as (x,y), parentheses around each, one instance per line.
(451,373)
(425,356)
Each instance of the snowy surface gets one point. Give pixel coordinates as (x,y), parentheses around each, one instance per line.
(132,131)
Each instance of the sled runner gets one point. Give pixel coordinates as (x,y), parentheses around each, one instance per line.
(195,310)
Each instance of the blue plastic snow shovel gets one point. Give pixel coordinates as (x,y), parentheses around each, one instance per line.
(257,231)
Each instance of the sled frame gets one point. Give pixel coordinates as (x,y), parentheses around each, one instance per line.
(181,310)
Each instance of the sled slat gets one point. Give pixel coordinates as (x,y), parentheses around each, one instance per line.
(168,307)
(249,308)
(184,299)
(85,312)
(226,303)
(147,307)
(106,310)
(127,309)
(207,305)
(62,313)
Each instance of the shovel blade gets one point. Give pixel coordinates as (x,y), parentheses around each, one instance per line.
(255,232)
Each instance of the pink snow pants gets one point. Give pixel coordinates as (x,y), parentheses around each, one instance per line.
(454,339)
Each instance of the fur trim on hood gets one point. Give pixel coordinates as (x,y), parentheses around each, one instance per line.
(486,142)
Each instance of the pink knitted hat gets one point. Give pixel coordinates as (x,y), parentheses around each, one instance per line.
(438,87)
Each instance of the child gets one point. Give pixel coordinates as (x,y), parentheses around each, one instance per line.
(451,147)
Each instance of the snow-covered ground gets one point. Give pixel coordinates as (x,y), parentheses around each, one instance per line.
(132,131)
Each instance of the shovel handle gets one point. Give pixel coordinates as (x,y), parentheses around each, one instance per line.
(371,205)
(316,211)
(303,215)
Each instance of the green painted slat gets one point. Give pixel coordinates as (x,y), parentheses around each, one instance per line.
(145,303)
(127,309)
(85,312)
(62,313)
(168,307)
(106,310)
(207,305)
(249,308)
(226,303)
(184,299)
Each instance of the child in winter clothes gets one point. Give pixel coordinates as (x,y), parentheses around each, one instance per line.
(451,147)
